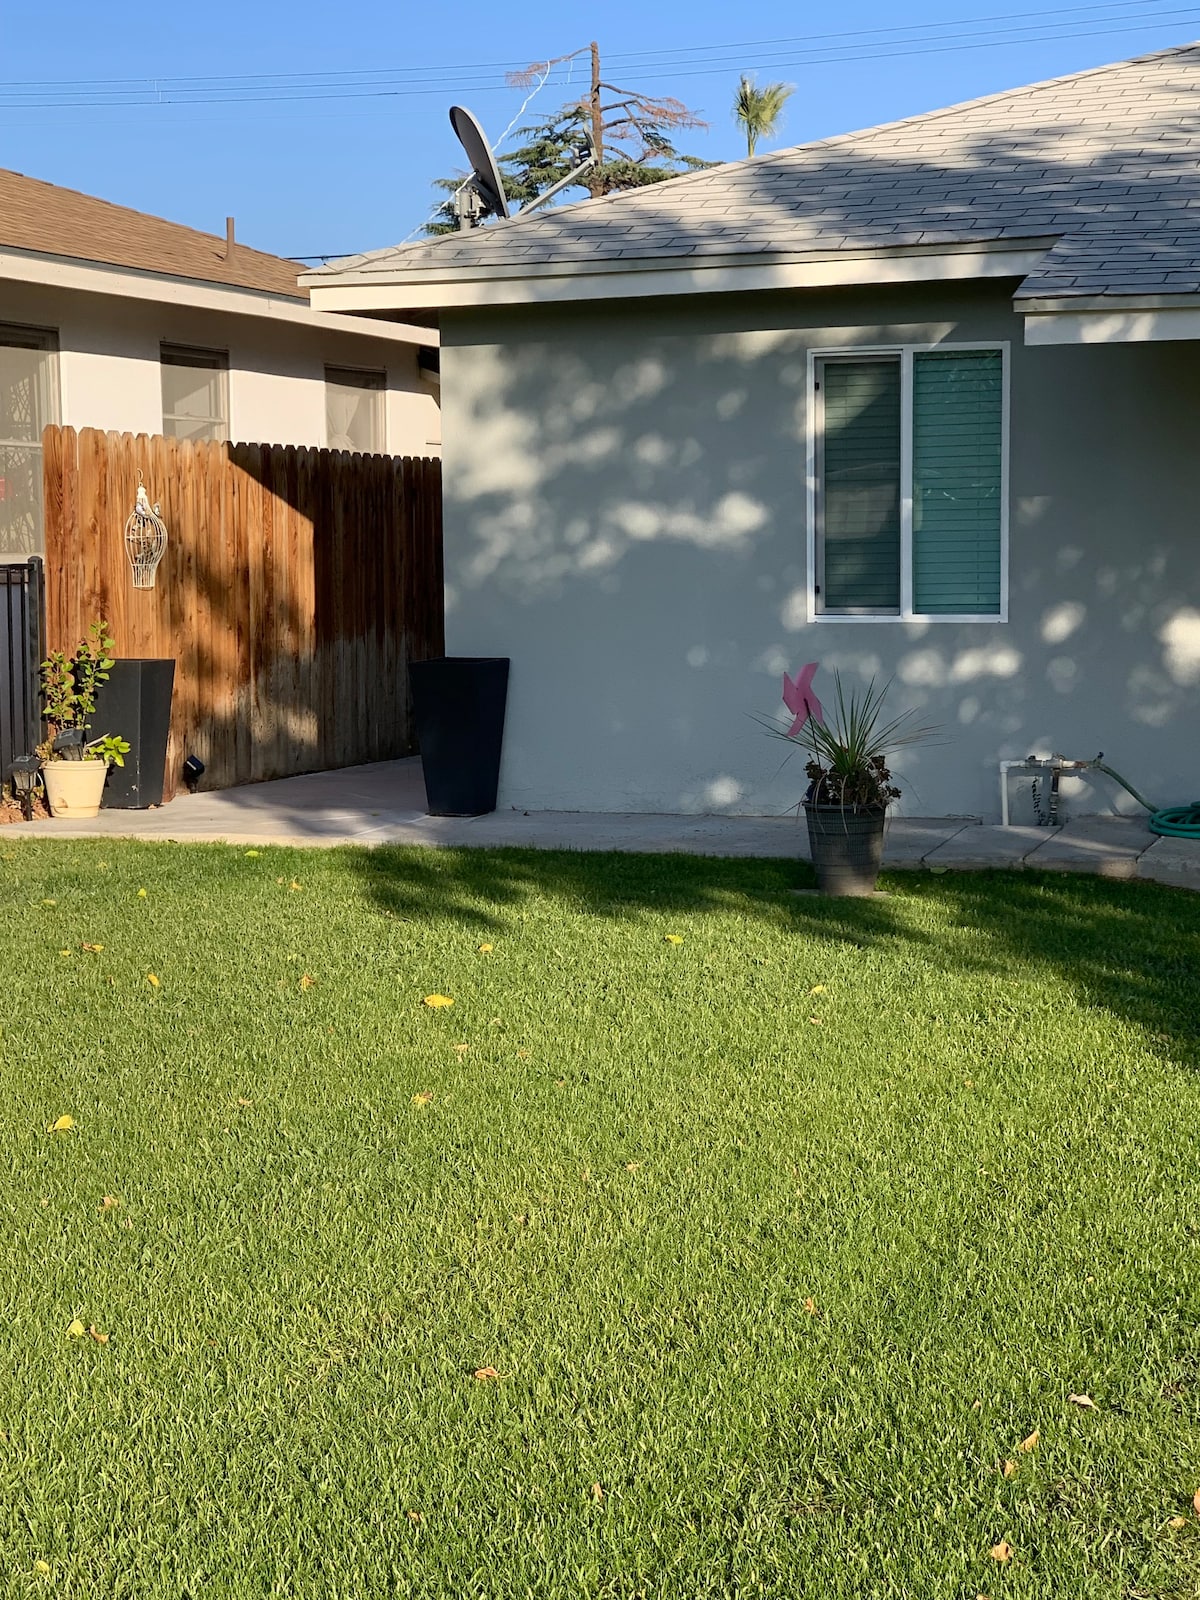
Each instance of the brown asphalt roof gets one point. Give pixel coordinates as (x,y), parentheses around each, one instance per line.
(42,217)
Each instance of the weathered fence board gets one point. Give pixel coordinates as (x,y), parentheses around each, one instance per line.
(296,586)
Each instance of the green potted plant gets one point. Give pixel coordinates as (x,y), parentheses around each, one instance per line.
(73,766)
(850,781)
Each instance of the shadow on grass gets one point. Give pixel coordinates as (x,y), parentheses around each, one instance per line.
(1132,949)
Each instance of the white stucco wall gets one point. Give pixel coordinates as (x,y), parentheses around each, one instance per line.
(109,374)
(625,518)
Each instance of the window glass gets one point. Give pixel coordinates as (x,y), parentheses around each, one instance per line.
(28,402)
(354,410)
(195,391)
(861,508)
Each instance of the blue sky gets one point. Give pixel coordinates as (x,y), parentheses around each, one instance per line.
(310,163)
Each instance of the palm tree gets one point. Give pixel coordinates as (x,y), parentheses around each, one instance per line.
(759,110)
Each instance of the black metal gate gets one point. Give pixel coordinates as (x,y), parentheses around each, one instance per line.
(22,648)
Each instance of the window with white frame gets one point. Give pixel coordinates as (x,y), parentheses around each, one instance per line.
(908,492)
(354,409)
(28,401)
(195,392)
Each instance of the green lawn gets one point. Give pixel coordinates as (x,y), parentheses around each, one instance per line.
(781,1239)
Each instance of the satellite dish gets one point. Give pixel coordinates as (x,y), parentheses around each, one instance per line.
(485,174)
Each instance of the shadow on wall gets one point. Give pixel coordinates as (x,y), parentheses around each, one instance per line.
(636,475)
(1093,933)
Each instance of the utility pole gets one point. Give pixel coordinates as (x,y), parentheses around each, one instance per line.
(595,182)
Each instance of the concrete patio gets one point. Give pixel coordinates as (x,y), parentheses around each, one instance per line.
(385,804)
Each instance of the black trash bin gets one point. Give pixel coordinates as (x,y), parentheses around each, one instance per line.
(135,704)
(458,704)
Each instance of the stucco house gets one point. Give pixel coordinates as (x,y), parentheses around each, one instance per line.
(113,319)
(920,402)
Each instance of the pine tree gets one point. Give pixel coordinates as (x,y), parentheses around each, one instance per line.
(633,136)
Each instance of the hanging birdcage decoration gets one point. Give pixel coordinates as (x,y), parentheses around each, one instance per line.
(145,539)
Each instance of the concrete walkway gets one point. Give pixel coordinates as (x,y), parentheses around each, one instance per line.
(385,804)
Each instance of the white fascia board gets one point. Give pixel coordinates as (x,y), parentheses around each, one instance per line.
(626,280)
(94,277)
(1147,325)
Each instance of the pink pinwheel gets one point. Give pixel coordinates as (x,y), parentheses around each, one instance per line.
(800,700)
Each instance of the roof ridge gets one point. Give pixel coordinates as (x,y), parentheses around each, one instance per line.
(684,179)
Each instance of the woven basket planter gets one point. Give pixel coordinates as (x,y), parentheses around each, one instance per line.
(847,848)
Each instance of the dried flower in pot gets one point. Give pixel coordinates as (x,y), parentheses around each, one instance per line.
(850,781)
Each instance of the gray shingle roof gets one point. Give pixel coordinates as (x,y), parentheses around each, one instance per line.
(1107,161)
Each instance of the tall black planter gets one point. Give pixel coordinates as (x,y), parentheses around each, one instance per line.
(135,704)
(458,703)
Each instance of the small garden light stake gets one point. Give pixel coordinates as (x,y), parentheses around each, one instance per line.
(145,539)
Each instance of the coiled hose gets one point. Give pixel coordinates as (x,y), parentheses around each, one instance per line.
(1173,822)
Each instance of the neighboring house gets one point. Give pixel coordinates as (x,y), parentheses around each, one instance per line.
(918,403)
(113,319)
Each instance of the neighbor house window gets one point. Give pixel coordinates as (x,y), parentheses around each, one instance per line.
(195,391)
(909,484)
(28,401)
(354,409)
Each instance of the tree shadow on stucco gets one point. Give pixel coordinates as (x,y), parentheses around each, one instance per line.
(1130,949)
(627,493)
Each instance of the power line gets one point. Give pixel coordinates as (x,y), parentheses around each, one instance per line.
(693,61)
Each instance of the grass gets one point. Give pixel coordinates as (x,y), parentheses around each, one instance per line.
(781,1238)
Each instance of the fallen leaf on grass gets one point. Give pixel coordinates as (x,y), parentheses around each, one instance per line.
(816,1022)
(461,1049)
(307,981)
(486,949)
(65,952)
(486,1374)
(673,938)
(94,1333)
(75,1329)
(1196,1502)
(1008,1469)
(423,1098)
(62,1124)
(434,1001)
(242,1101)
(810,1305)
(252,855)
(95,949)
(152,980)
(1083,1401)
(141,894)
(522,1055)
(597,1493)
(1002,1551)
(817,988)
(49,902)
(41,1566)
(109,1203)
(1176,1522)
(1031,1443)
(295,884)
(415,1516)
(633,1166)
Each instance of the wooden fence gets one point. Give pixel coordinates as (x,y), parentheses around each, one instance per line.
(296,587)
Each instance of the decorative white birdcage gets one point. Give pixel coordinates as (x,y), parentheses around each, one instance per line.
(145,539)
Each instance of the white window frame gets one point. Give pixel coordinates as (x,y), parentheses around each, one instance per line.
(815,409)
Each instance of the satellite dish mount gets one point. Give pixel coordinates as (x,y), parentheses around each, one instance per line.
(482,195)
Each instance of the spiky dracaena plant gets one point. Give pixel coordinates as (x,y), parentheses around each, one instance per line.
(849,751)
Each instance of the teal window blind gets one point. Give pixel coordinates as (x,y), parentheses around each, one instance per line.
(957,424)
(861,486)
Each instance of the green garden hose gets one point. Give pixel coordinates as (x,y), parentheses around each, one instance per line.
(1175,822)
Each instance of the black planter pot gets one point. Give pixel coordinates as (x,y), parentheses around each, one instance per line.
(458,705)
(135,704)
(847,848)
